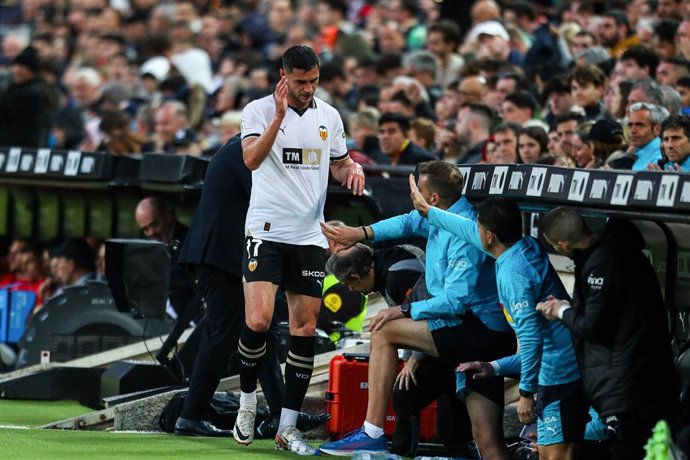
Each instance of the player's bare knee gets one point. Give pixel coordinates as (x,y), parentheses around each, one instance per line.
(303,330)
(258,322)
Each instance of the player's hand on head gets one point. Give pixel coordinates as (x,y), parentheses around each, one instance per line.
(280,96)
(418,200)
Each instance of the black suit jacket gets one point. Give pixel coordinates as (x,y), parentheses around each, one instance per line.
(216,236)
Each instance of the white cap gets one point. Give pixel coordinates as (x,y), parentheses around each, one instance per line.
(158,66)
(493,28)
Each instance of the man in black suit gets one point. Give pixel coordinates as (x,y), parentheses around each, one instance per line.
(214,246)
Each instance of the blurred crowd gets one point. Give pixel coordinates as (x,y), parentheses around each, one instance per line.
(585,83)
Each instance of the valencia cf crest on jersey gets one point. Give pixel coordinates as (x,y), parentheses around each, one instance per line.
(252,264)
(323,132)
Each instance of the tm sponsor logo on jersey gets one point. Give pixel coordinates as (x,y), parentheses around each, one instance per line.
(595,282)
(301,158)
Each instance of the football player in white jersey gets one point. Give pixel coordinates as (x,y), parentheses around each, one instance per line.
(290,141)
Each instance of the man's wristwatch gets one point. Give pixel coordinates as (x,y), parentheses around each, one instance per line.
(526,394)
(406,309)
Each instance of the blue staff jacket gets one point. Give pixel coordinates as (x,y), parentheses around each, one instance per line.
(459,277)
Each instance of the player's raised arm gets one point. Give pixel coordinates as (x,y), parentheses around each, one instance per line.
(255,148)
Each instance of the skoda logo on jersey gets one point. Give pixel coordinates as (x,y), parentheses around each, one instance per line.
(253,263)
(313,274)
(323,132)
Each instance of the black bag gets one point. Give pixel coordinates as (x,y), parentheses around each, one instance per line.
(223,412)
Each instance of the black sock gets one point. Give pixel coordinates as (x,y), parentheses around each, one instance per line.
(298,369)
(251,349)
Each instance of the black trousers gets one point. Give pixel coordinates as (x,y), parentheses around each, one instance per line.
(435,382)
(224,321)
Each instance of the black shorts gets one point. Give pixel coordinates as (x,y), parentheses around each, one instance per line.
(298,269)
(474,341)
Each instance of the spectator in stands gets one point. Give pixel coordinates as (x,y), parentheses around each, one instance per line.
(17,246)
(394,138)
(532,144)
(472,89)
(473,129)
(644,121)
(609,146)
(32,276)
(670,70)
(619,325)
(422,66)
(616,99)
(337,35)
(364,126)
(505,136)
(565,127)
(422,133)
(75,263)
(118,139)
(669,9)
(647,91)
(675,141)
(406,15)
(588,86)
(518,108)
(639,62)
(583,40)
(683,88)
(333,82)
(507,83)
(582,150)
(173,133)
(665,39)
(559,99)
(85,89)
(442,39)
(615,33)
(26,105)
(68,129)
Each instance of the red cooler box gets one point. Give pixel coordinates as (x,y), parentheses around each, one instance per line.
(346,399)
